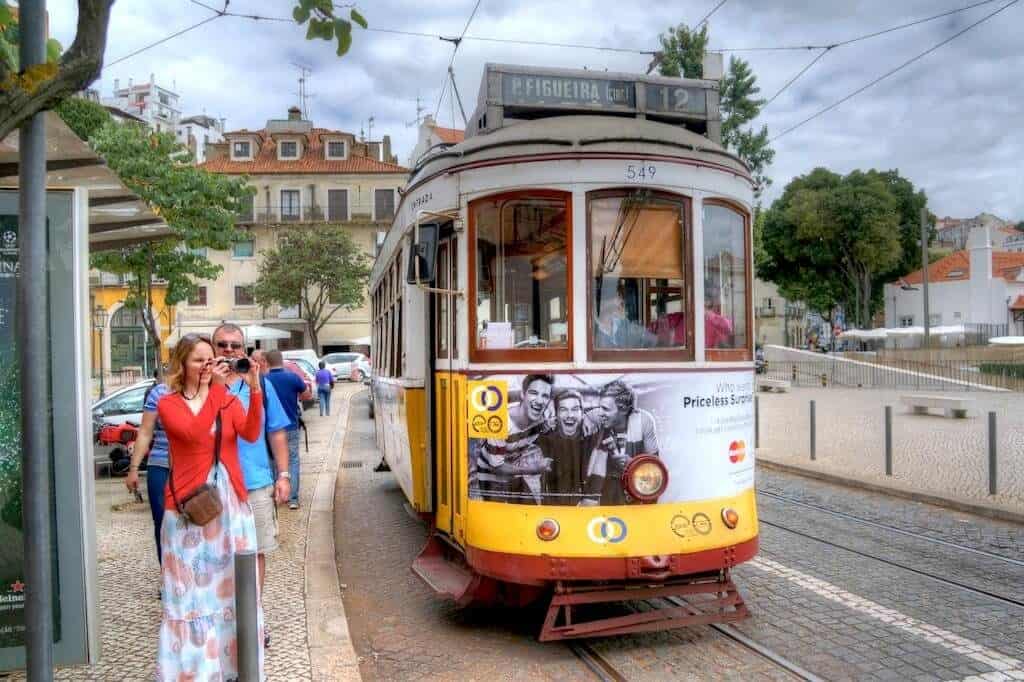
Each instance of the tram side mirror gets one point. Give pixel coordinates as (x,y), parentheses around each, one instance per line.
(424,253)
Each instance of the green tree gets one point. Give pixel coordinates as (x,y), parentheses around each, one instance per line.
(199,208)
(85,118)
(682,55)
(831,240)
(321,270)
(26,92)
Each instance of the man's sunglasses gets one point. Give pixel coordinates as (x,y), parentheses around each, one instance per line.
(233,345)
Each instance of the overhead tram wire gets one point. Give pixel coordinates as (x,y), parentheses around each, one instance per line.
(455,49)
(164,40)
(710,14)
(902,66)
(824,51)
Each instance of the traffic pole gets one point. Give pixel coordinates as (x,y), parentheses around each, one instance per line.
(813,439)
(888,440)
(33,359)
(992,472)
(247,617)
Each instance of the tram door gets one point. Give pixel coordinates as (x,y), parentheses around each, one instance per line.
(447,388)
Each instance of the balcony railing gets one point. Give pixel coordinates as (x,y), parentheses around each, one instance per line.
(315,213)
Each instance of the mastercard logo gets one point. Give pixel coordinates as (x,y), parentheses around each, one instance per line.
(737,451)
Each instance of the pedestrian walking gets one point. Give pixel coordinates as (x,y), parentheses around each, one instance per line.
(264,459)
(151,440)
(324,386)
(204,526)
(290,388)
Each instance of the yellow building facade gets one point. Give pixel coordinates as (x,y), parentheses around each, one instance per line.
(122,348)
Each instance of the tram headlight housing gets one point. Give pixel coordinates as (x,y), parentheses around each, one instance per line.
(730,518)
(645,478)
(548,529)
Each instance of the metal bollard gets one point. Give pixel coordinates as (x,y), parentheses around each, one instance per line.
(824,380)
(888,440)
(757,423)
(813,439)
(246,617)
(794,372)
(992,453)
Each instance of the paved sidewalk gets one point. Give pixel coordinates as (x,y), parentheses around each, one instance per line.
(934,457)
(302,596)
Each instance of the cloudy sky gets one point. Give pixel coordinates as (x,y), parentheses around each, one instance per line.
(949,122)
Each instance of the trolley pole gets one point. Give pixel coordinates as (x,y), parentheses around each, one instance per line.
(813,434)
(992,471)
(247,614)
(888,440)
(33,358)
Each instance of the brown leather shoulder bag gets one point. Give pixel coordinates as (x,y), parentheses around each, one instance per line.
(203,504)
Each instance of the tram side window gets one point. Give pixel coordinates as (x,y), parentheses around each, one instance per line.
(725,278)
(522,274)
(638,294)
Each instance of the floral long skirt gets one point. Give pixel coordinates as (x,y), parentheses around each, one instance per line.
(198,638)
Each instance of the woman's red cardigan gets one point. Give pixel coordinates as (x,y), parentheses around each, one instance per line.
(190,437)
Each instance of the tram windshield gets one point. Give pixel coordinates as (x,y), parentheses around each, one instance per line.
(638,273)
(725,278)
(522,276)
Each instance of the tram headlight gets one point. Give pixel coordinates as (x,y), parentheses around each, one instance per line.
(645,478)
(547,529)
(730,518)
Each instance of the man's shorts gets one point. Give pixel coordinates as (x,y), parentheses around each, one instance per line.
(265,513)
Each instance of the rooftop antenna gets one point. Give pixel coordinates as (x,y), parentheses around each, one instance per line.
(304,73)
(419,113)
(369,133)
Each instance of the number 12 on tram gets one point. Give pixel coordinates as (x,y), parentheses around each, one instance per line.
(563,370)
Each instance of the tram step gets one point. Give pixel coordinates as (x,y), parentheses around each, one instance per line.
(444,577)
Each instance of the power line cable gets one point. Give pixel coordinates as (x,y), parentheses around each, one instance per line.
(902,66)
(164,40)
(709,14)
(792,80)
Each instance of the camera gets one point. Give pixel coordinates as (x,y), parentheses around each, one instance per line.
(238,365)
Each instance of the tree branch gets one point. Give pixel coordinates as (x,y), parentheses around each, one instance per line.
(77,68)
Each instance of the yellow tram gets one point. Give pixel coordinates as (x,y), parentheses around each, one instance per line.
(563,344)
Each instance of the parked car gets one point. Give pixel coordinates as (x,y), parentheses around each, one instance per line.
(124,405)
(295,368)
(342,364)
(361,370)
(307,354)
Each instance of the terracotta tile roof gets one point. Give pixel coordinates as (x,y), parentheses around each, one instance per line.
(312,160)
(450,135)
(1018,304)
(957,266)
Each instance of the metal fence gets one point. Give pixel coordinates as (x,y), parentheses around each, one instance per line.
(899,374)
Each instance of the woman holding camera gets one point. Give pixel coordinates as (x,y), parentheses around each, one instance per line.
(207,519)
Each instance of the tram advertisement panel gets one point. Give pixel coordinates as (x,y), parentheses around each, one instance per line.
(567,438)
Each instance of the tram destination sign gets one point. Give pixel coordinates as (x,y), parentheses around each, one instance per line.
(525,89)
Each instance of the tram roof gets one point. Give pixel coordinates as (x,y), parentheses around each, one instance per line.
(578,133)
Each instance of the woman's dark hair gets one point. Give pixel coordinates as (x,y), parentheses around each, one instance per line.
(323,364)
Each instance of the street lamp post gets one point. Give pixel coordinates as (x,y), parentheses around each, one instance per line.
(99,323)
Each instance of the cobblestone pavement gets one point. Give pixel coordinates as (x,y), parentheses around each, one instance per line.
(129,610)
(401,631)
(932,454)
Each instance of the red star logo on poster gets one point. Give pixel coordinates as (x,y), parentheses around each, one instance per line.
(17,586)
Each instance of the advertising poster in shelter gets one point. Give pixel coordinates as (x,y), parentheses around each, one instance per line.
(12,585)
(566,439)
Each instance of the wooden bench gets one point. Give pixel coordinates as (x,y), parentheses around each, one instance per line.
(777,385)
(954,407)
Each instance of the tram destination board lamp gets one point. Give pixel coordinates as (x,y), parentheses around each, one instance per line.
(99,323)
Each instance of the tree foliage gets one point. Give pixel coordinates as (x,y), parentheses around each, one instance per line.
(324,24)
(321,270)
(85,118)
(199,208)
(682,55)
(833,240)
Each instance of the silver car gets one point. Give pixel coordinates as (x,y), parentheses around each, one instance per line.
(343,364)
(121,406)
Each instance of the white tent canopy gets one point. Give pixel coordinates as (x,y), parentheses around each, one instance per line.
(253,333)
(1007,341)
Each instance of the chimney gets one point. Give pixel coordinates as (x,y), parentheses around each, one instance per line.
(152,78)
(979,248)
(294,114)
(386,141)
(223,124)
(117,85)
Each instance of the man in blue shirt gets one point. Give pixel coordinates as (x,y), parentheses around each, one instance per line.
(290,388)
(264,490)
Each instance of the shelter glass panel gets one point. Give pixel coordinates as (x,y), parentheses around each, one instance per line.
(522,273)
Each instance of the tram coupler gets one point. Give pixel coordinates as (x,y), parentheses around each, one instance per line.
(669,605)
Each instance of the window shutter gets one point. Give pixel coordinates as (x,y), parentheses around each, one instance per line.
(384,204)
(337,204)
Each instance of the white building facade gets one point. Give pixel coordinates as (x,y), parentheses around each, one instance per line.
(197,132)
(158,106)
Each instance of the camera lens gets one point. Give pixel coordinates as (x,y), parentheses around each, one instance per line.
(241,365)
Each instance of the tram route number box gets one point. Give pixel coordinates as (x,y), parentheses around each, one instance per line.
(510,94)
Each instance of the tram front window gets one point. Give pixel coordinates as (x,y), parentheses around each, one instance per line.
(638,275)
(725,278)
(522,276)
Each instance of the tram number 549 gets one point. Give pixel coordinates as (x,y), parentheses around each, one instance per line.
(643,172)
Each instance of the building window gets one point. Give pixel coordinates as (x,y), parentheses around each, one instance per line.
(907,321)
(337,204)
(336,149)
(244,295)
(244,249)
(198,299)
(725,278)
(164,99)
(245,209)
(637,275)
(383,204)
(290,209)
(200,252)
(956,316)
(288,149)
(521,281)
(935,319)
(241,150)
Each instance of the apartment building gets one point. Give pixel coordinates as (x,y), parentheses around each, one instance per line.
(198,132)
(156,105)
(304,177)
